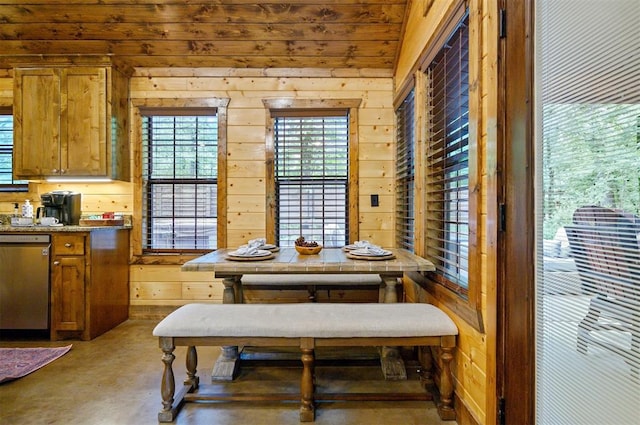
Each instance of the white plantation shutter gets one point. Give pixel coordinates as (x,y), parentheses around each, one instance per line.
(588,201)
(311,173)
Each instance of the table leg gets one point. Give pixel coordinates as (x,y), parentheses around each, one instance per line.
(390,359)
(229,294)
(226,365)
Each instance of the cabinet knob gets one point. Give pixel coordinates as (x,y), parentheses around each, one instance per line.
(63,171)
(67,245)
(55,171)
(56,263)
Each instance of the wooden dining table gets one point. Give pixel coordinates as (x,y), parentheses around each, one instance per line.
(287,261)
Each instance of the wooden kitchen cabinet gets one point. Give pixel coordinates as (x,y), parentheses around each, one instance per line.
(67,287)
(89,282)
(70,122)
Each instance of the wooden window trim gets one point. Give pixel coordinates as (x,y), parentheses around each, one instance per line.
(302,107)
(157,106)
(469,309)
(405,153)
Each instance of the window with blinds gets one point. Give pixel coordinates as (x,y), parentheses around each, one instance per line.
(405,172)
(447,161)
(587,212)
(180,183)
(7,183)
(312,178)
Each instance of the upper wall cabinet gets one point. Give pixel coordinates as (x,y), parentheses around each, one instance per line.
(70,122)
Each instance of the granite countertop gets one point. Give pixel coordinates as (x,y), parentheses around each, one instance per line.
(55,229)
(6,227)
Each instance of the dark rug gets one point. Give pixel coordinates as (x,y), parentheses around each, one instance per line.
(18,362)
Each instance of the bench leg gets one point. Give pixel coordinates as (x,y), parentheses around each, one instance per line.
(192,363)
(168,387)
(307,386)
(445,407)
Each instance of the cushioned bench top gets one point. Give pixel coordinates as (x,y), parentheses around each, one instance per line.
(311,279)
(325,320)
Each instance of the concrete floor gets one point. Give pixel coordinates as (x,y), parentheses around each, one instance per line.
(115,380)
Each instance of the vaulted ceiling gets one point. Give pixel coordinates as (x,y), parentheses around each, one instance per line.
(207,33)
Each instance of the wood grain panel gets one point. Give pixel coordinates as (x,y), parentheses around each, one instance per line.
(378,151)
(200,31)
(246,203)
(377,221)
(243,220)
(206,13)
(240,169)
(376,169)
(202,291)
(156,290)
(157,273)
(294,49)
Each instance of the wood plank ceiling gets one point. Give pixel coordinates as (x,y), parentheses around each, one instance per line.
(359,34)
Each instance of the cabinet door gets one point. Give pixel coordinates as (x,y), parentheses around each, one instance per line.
(84,146)
(68,294)
(36,122)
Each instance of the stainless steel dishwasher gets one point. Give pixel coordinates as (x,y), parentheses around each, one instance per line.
(24,281)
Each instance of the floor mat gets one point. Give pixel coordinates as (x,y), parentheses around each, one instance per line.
(18,362)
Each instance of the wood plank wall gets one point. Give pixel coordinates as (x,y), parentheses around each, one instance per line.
(246,137)
(474,363)
(156,289)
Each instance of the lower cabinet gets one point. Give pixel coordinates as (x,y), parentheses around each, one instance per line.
(68,293)
(89,282)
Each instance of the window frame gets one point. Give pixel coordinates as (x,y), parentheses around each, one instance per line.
(469,306)
(282,107)
(12,187)
(405,177)
(142,107)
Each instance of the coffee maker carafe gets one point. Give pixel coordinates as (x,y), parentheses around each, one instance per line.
(61,204)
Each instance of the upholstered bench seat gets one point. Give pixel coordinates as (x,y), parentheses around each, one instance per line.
(312,279)
(318,286)
(306,326)
(307,320)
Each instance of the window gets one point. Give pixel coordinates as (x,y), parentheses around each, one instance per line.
(447,160)
(180,180)
(311,188)
(405,172)
(312,177)
(7,182)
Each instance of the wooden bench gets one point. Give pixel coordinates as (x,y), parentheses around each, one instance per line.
(315,283)
(306,326)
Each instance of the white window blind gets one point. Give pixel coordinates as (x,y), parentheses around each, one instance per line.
(588,201)
(180,181)
(312,177)
(405,172)
(447,162)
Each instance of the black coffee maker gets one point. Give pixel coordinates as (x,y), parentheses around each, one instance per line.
(61,204)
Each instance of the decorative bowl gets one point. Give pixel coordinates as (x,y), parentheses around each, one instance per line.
(308,250)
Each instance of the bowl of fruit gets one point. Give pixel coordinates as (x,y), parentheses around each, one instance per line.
(307,248)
